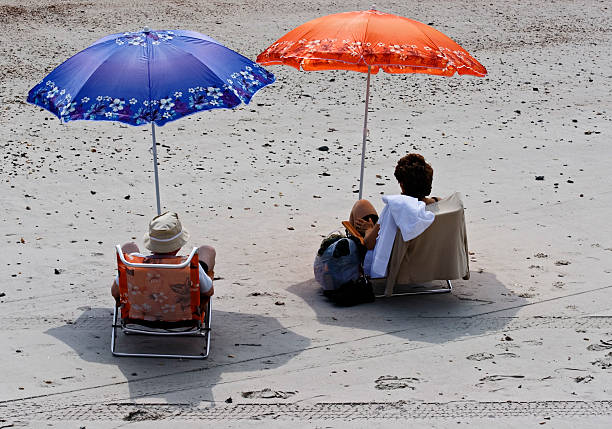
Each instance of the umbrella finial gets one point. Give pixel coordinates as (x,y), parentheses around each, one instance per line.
(146,29)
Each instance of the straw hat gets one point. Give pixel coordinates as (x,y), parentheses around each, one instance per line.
(166,234)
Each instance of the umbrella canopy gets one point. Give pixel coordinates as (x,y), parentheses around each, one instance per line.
(149,77)
(367,41)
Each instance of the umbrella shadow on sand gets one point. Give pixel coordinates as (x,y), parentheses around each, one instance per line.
(240,342)
(474,307)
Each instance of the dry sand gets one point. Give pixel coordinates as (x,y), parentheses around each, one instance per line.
(519,342)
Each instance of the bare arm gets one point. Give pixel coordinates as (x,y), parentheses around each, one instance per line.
(369,231)
(370,237)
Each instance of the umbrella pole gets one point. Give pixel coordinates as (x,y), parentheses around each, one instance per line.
(365,134)
(155,168)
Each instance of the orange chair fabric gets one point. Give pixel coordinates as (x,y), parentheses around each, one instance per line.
(159,294)
(356,40)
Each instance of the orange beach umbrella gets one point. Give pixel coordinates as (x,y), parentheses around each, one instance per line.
(367,41)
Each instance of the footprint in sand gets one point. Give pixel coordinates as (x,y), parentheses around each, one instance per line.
(585,379)
(603,345)
(508,355)
(605,362)
(480,356)
(499,377)
(267,393)
(393,382)
(533,342)
(507,346)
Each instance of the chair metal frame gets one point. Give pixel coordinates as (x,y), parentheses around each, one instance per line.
(447,289)
(200,329)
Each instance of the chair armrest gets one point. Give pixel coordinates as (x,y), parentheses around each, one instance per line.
(353,231)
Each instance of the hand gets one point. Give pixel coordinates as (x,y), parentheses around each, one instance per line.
(363,225)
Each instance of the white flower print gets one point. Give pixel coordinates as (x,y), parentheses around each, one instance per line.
(178,94)
(133,101)
(136,41)
(109,114)
(53,92)
(191,90)
(146,102)
(247,75)
(167,115)
(62,92)
(69,108)
(213,92)
(99,98)
(85,100)
(166,103)
(117,105)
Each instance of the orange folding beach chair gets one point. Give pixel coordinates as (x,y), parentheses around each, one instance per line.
(161,296)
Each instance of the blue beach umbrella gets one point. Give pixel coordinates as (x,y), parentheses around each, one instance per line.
(149,76)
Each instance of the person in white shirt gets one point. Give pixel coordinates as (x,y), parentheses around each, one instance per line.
(415,177)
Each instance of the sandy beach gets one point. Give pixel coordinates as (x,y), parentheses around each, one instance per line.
(526,341)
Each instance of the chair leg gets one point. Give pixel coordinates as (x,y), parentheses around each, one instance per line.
(114,330)
(207,327)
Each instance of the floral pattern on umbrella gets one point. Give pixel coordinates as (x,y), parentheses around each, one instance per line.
(408,46)
(181,102)
(183,72)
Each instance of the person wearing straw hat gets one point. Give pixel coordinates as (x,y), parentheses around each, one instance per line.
(165,238)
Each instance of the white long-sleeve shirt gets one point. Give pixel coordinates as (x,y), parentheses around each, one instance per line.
(403,212)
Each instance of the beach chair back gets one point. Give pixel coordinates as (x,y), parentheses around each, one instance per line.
(159,289)
(439,253)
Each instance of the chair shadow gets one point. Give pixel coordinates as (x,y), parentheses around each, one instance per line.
(474,307)
(239,342)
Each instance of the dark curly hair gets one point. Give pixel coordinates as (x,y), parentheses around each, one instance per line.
(414,175)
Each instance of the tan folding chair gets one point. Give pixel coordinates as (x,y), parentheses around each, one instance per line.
(161,296)
(439,253)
